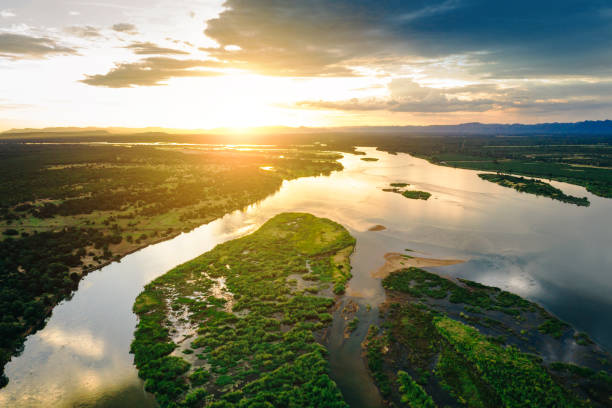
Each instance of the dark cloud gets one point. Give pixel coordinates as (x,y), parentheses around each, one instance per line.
(148,48)
(125,28)
(83,31)
(510,39)
(17,46)
(294,38)
(150,72)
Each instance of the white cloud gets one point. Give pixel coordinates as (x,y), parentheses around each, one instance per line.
(7,14)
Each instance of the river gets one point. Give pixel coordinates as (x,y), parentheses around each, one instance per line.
(550,252)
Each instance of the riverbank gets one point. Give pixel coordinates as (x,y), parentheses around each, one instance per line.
(395,261)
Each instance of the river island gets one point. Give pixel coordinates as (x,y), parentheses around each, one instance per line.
(238,326)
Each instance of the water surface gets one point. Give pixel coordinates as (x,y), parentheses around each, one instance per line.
(551,252)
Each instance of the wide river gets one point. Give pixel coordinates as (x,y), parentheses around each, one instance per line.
(557,254)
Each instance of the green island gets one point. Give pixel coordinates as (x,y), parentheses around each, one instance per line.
(453,342)
(536,187)
(412,194)
(238,326)
(369,159)
(69,208)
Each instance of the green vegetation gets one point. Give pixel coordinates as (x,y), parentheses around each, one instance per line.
(413,395)
(420,284)
(67,209)
(535,187)
(459,343)
(253,330)
(554,327)
(352,325)
(369,159)
(412,194)
(375,345)
(514,376)
(416,195)
(583,339)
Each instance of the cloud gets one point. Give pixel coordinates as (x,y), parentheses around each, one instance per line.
(7,14)
(17,46)
(83,31)
(321,38)
(150,72)
(126,28)
(430,10)
(294,38)
(405,95)
(148,48)
(5,105)
(408,96)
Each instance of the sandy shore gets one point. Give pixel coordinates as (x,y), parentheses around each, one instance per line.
(395,261)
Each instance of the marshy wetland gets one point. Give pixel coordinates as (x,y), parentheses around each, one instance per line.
(546,251)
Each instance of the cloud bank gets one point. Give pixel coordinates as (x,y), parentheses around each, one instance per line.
(149,72)
(20,46)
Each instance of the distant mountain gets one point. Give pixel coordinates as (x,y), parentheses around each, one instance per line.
(598,127)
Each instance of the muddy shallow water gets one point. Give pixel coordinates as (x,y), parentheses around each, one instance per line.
(554,253)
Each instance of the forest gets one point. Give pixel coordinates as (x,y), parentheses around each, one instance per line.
(68,209)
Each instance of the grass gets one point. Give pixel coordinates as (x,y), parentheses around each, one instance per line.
(265,340)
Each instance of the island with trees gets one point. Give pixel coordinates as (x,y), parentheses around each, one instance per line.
(238,326)
(400,188)
(533,186)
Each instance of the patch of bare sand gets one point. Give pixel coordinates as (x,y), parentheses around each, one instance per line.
(396,261)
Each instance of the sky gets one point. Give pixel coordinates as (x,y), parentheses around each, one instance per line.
(199,64)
